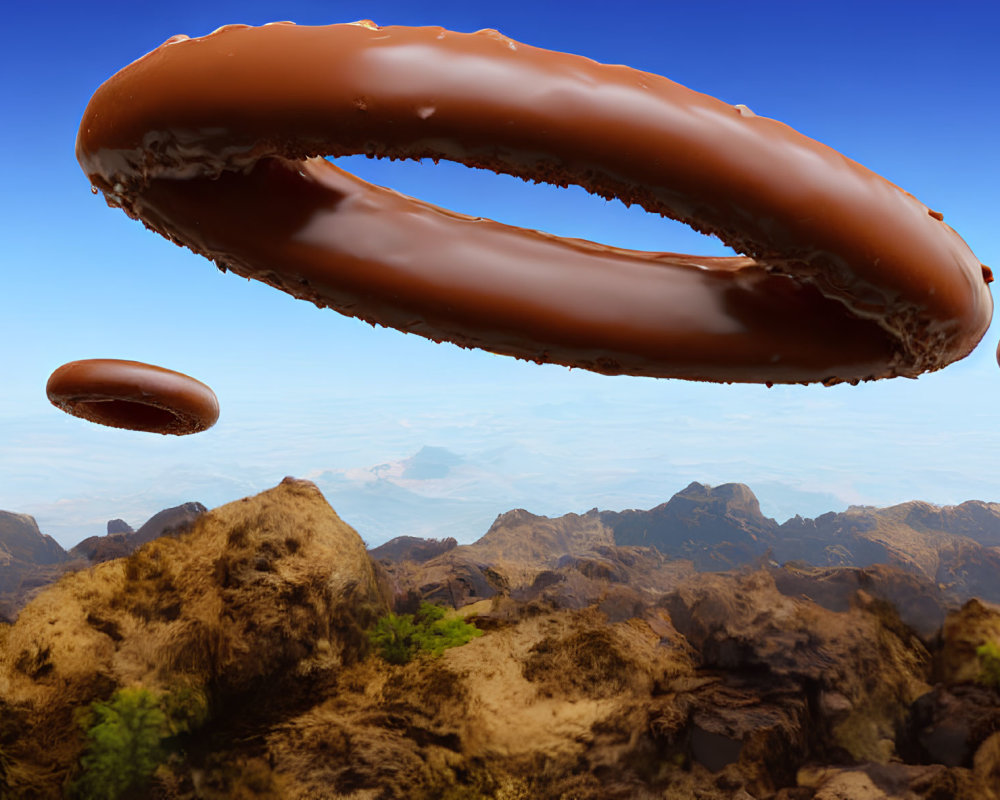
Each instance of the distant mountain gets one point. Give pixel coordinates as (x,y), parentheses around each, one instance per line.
(119,526)
(383,505)
(30,560)
(22,543)
(722,528)
(412,548)
(430,463)
(709,528)
(522,543)
(119,542)
(716,528)
(957,546)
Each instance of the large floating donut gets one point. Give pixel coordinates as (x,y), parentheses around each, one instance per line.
(133,395)
(213,143)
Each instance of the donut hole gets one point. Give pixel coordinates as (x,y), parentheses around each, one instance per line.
(128,414)
(568,211)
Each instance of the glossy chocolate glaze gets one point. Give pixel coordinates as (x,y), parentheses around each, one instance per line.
(133,395)
(846,277)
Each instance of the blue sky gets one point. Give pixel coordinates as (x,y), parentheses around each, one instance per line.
(909,89)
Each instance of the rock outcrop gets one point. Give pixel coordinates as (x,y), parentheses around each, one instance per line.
(121,540)
(720,528)
(716,528)
(266,590)
(29,560)
(412,548)
(521,544)
(955,546)
(22,543)
(921,604)
(517,548)
(119,526)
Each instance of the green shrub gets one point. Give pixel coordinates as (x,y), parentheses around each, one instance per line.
(393,637)
(123,745)
(445,633)
(400,637)
(129,736)
(989,664)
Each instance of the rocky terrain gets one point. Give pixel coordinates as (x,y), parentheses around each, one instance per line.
(612,663)
(700,528)
(722,527)
(121,540)
(30,560)
(943,554)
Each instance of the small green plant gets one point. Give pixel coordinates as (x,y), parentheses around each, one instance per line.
(398,638)
(130,735)
(989,664)
(393,637)
(436,633)
(124,738)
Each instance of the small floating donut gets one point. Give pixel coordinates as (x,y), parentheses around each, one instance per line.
(133,395)
(214,143)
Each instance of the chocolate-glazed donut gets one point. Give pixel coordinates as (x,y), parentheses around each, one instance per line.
(213,143)
(133,395)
